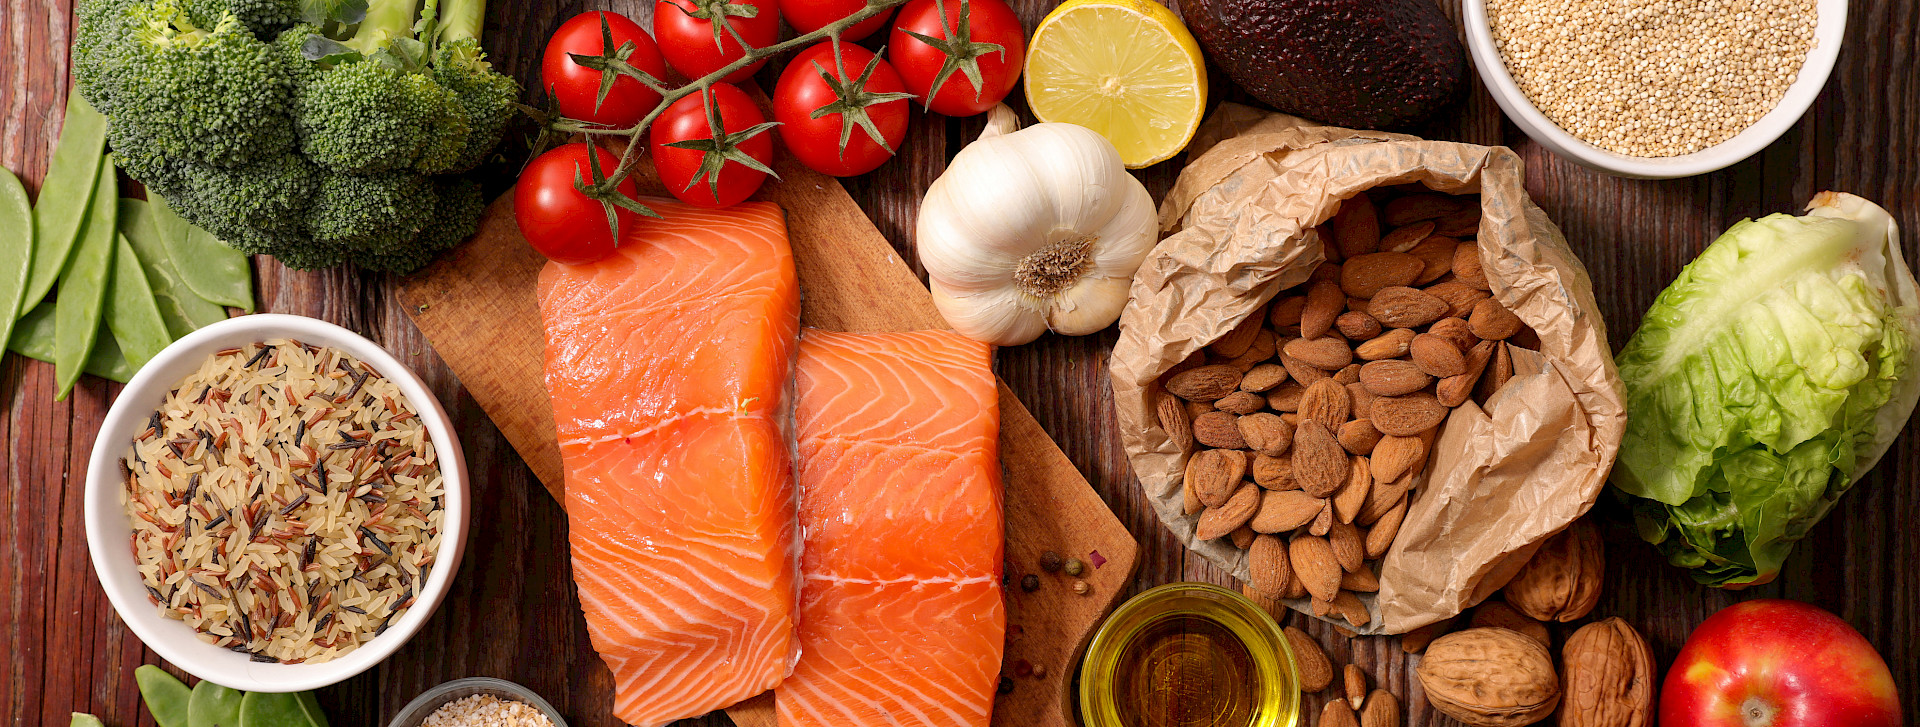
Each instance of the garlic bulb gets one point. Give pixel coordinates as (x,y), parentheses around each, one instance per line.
(1034,229)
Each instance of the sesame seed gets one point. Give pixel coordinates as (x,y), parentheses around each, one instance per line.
(1653,78)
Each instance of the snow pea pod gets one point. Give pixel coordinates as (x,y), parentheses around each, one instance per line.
(213,270)
(260,709)
(183,310)
(83,288)
(82,719)
(16,249)
(66,194)
(132,313)
(33,338)
(166,697)
(212,705)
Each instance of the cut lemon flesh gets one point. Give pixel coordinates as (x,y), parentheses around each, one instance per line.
(1125,68)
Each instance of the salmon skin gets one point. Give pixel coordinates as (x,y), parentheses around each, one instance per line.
(669,366)
(901,618)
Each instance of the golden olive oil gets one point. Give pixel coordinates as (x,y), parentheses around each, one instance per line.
(1189,655)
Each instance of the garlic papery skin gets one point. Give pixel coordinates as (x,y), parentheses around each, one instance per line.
(1035,229)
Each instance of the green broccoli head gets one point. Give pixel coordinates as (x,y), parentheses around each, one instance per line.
(366,117)
(487,97)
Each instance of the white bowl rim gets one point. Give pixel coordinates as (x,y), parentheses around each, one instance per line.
(107,527)
(1829,34)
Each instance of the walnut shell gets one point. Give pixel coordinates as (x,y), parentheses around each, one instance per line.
(1490,677)
(1609,676)
(1562,582)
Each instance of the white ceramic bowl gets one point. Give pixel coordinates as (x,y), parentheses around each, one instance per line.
(108,529)
(1828,31)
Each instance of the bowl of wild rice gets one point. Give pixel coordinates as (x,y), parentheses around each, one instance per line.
(275,503)
(1655,89)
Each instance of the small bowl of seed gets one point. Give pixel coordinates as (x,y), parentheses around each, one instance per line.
(478,702)
(1658,89)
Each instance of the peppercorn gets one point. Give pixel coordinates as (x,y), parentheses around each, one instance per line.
(1039,671)
(1050,561)
(1006,685)
(1076,567)
(1030,583)
(1081,587)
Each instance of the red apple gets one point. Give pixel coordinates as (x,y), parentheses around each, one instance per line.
(1773,663)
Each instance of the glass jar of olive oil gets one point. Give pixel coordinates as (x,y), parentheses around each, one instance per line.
(1189,655)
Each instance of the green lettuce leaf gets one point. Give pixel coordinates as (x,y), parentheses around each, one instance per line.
(1772,374)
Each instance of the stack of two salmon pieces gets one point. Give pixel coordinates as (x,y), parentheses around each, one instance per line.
(867,595)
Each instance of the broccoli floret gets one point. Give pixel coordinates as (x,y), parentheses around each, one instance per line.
(263,18)
(487,97)
(271,195)
(371,211)
(457,217)
(367,117)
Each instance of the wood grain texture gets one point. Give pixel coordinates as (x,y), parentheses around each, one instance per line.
(513,613)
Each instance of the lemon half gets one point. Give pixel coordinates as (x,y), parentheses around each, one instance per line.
(1125,68)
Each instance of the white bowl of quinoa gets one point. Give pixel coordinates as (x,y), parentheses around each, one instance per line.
(1655,89)
(275,503)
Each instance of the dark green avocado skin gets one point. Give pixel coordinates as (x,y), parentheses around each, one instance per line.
(1366,64)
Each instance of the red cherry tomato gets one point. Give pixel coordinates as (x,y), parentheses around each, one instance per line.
(560,222)
(686,120)
(816,142)
(576,88)
(687,39)
(989,21)
(807,16)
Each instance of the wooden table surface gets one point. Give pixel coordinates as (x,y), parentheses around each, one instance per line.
(512,612)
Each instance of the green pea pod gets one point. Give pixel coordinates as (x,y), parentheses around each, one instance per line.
(82,719)
(65,194)
(33,338)
(212,705)
(16,250)
(166,697)
(210,268)
(83,288)
(183,310)
(132,314)
(260,709)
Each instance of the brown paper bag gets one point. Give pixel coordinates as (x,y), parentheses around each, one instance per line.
(1500,480)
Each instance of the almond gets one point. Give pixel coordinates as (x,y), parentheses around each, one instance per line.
(1274,473)
(1325,301)
(1327,353)
(1300,371)
(1318,461)
(1214,474)
(1351,609)
(1314,563)
(1415,641)
(1456,331)
(1242,537)
(1173,420)
(1492,321)
(1381,534)
(1454,390)
(1355,227)
(1267,564)
(1285,510)
(1436,258)
(1286,397)
(1357,325)
(1327,272)
(1316,671)
(1261,350)
(1349,547)
(1236,341)
(1327,402)
(1190,497)
(1406,237)
(1266,433)
(1436,356)
(1219,521)
(1348,502)
(1499,615)
(1395,456)
(1465,223)
(1337,713)
(1360,581)
(1220,430)
(1384,495)
(1393,377)
(1196,408)
(1467,267)
(1382,710)
(1263,377)
(1459,297)
(1423,206)
(1358,436)
(1405,308)
(1241,402)
(1285,312)
(1391,344)
(1322,522)
(1498,373)
(1350,374)
(1362,400)
(1353,684)
(1403,416)
(1206,383)
(1365,275)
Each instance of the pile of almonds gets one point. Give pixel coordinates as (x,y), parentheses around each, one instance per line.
(1355,706)
(1309,424)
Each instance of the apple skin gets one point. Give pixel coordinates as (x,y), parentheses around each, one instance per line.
(1775,663)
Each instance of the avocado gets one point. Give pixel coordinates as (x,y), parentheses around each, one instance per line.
(1368,64)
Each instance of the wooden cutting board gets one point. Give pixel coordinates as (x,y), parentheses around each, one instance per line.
(477,306)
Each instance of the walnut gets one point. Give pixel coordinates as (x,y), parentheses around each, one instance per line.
(1490,677)
(1609,676)
(1562,582)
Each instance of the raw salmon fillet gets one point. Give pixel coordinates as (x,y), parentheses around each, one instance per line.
(669,366)
(901,619)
